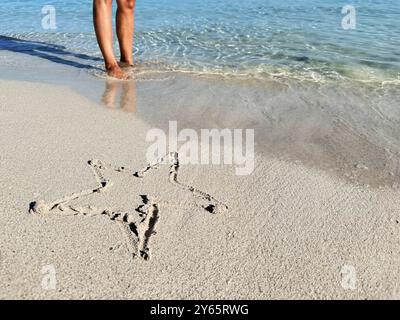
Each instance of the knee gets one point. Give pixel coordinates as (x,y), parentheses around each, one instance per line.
(126,5)
(102,2)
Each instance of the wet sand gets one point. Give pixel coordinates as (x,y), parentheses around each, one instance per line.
(323,195)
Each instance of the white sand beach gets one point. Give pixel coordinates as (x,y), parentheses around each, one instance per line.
(322,201)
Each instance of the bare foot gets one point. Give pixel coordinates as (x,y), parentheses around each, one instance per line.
(127,67)
(115,71)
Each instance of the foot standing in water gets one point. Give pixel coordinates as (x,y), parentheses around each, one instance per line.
(102,18)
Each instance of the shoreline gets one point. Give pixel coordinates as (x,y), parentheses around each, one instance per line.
(301,68)
(290,228)
(350,132)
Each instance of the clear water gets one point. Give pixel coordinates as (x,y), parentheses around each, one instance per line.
(258,38)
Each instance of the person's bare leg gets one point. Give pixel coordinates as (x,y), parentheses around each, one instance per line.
(125,30)
(102,18)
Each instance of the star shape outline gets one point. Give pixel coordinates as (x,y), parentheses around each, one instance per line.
(138,235)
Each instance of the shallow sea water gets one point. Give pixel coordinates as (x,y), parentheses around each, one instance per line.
(295,39)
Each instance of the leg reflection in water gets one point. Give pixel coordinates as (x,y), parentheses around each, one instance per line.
(127,101)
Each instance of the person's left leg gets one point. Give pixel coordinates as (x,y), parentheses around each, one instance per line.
(125,29)
(102,19)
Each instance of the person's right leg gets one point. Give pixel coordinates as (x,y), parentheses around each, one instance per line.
(102,18)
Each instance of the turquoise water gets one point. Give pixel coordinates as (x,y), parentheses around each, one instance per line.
(258,38)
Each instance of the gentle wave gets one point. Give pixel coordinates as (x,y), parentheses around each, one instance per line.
(76,45)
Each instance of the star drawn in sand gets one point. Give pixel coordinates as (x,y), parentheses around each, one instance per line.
(139,225)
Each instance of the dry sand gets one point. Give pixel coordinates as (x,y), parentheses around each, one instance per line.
(292,229)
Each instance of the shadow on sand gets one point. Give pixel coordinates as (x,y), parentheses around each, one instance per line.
(48,51)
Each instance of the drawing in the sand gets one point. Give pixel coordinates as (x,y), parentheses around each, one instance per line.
(139,225)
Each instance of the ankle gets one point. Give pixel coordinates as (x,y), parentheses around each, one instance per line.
(111,65)
(127,61)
